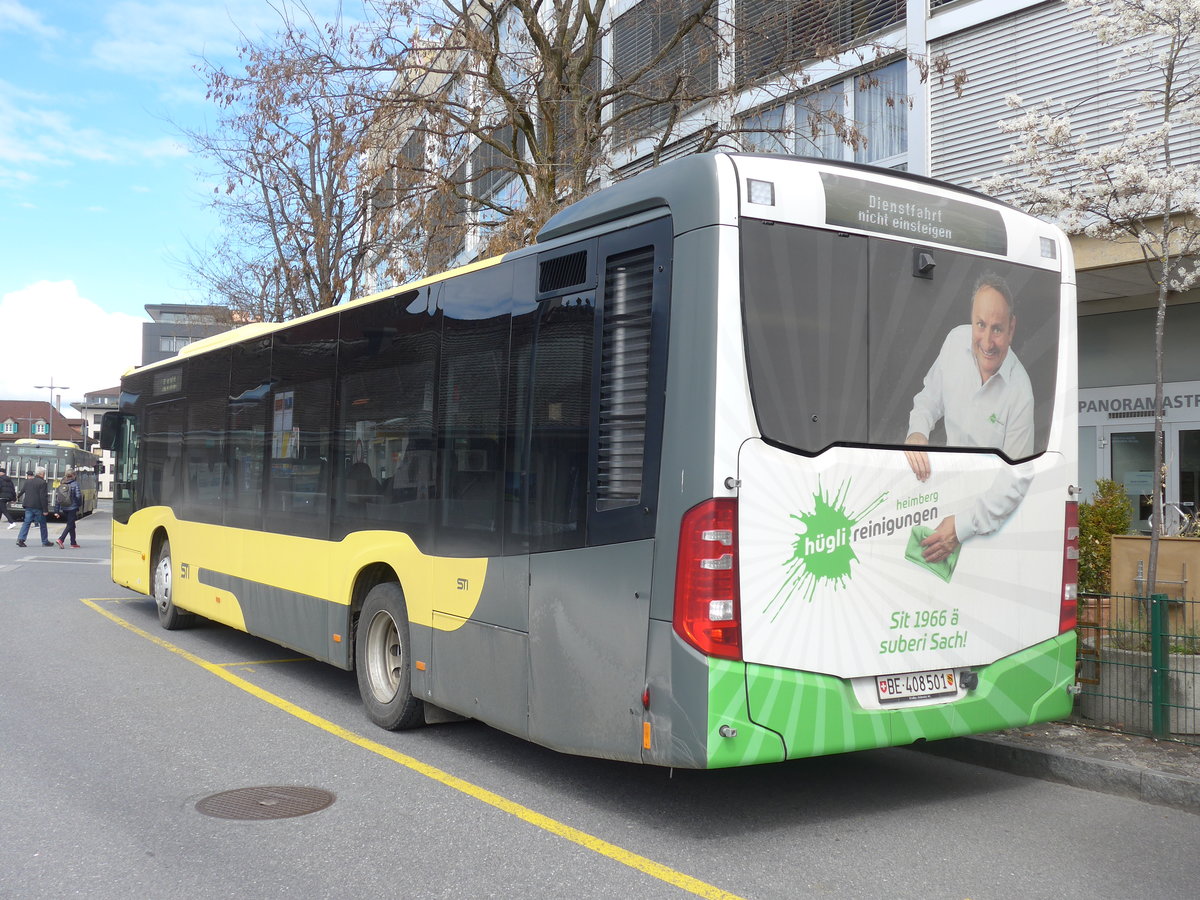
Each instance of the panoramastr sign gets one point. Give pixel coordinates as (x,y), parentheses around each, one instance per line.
(869,206)
(1100,406)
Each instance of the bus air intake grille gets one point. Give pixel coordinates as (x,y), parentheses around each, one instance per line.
(255,803)
(624,378)
(563,272)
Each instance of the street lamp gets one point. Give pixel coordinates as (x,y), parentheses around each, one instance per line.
(51,386)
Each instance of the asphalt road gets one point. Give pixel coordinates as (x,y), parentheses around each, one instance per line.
(111,732)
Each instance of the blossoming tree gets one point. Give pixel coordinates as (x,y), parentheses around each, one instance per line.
(1127,183)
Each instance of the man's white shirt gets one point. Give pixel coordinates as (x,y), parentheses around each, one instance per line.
(997,413)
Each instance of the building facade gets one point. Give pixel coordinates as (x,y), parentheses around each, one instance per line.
(95,404)
(175,325)
(36,419)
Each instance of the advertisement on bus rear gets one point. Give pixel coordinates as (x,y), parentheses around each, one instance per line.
(904,511)
(837,573)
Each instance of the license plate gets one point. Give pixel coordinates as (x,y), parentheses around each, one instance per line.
(916,684)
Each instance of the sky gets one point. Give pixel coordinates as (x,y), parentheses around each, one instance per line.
(100,199)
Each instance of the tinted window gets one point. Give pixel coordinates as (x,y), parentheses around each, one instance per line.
(160,477)
(249,412)
(846,345)
(929,359)
(383,459)
(204,446)
(303,359)
(472,403)
(806,297)
(552,362)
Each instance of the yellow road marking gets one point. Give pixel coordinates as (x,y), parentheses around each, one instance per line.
(583,839)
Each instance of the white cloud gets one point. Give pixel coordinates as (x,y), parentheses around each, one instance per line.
(33,133)
(15,178)
(159,148)
(157,38)
(15,16)
(106,344)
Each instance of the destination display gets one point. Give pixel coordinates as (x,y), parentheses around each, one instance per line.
(852,202)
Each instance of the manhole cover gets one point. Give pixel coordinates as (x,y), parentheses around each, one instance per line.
(265,803)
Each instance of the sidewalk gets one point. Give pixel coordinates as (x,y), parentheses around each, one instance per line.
(1163,772)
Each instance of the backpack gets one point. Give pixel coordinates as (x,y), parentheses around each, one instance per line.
(62,495)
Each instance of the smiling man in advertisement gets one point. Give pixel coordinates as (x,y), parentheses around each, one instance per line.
(979,389)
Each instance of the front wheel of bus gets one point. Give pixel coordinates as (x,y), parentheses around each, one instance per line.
(169,615)
(382,651)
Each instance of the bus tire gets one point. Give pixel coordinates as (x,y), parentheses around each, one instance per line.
(382,660)
(170,616)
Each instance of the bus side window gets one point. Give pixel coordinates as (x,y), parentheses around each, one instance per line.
(473,385)
(207,380)
(250,403)
(383,438)
(303,364)
(162,455)
(555,497)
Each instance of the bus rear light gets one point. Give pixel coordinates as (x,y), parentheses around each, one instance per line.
(1069,599)
(720,610)
(707,609)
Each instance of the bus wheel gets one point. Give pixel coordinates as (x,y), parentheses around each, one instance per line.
(382,652)
(169,615)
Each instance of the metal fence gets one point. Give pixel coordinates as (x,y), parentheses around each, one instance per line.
(1138,665)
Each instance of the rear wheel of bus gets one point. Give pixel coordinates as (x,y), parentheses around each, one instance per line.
(381,656)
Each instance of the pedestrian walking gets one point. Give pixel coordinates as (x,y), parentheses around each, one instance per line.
(69,499)
(35,498)
(8,493)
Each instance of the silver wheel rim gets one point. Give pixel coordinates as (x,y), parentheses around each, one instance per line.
(385,657)
(162,583)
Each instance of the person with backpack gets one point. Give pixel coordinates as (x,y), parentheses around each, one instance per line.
(35,498)
(69,499)
(8,493)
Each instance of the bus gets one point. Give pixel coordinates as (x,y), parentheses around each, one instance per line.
(23,456)
(695,480)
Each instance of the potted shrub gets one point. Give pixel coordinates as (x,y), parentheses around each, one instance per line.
(1108,513)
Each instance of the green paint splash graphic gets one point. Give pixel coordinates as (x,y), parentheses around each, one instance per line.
(822,551)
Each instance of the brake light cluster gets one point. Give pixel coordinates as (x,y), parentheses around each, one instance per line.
(707,607)
(1069,607)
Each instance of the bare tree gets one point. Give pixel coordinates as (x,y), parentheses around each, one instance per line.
(287,150)
(499,112)
(1127,185)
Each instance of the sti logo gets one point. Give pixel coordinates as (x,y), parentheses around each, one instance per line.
(463,584)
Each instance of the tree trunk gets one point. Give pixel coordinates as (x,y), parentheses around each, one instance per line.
(1156,500)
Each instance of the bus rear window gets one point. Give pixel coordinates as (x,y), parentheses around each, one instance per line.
(848,342)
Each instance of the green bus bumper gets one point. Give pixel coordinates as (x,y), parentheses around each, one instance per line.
(769,714)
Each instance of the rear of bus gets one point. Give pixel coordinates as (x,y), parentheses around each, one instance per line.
(849,594)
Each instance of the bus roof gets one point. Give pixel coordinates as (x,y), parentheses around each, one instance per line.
(259,329)
(673,185)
